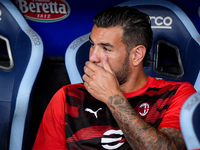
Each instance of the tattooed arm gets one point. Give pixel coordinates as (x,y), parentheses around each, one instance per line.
(140,134)
(102,84)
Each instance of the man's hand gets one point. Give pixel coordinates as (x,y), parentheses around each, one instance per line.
(100,82)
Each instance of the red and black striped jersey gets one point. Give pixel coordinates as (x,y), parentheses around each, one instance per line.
(75,120)
(90,124)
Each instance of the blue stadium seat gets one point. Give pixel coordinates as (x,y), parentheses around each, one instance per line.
(190,122)
(76,55)
(21,53)
(175,49)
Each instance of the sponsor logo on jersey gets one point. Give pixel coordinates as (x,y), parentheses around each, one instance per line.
(44,10)
(143,109)
(93,112)
(160,22)
(111,142)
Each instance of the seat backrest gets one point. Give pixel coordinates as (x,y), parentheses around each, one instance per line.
(21,53)
(190,121)
(176,45)
(76,55)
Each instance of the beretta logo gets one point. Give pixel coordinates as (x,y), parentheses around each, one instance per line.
(44,10)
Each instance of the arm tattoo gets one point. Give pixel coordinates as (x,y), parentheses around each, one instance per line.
(140,134)
(176,136)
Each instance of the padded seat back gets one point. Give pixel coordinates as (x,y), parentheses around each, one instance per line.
(190,121)
(21,52)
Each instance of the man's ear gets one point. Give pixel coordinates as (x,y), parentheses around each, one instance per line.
(137,55)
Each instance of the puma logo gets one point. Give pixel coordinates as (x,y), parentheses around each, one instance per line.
(93,112)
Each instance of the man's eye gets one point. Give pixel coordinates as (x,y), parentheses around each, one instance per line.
(106,49)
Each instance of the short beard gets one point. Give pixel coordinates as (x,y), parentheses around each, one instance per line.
(124,72)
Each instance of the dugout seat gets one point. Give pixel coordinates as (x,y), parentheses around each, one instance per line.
(175,49)
(21,53)
(190,121)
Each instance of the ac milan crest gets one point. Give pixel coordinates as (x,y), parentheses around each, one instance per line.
(143,109)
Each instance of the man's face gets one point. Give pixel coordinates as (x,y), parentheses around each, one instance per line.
(108,41)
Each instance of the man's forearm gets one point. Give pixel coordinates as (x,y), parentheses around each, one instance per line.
(138,133)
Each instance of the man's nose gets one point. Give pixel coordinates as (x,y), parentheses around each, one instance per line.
(95,56)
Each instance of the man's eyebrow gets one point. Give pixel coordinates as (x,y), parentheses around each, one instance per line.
(104,44)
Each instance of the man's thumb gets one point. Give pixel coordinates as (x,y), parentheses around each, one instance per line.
(106,65)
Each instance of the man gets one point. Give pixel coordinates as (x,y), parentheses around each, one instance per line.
(118,106)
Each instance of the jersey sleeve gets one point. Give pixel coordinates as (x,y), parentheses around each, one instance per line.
(51,133)
(171,117)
